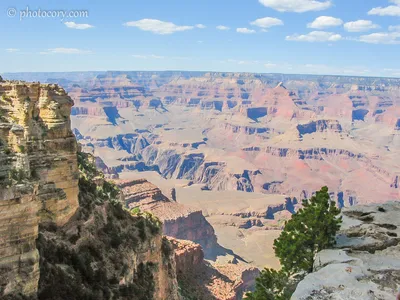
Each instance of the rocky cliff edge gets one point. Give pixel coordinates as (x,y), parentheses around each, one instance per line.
(366,261)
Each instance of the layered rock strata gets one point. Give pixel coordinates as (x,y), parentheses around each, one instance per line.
(38,173)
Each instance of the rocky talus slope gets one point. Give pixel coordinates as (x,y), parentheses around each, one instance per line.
(366,261)
(63,231)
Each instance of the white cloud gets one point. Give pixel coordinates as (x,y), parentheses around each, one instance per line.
(201,26)
(324,22)
(242,62)
(245,30)
(157,26)
(153,56)
(66,51)
(389,38)
(394,28)
(391,10)
(222,27)
(12,50)
(298,6)
(360,26)
(392,72)
(327,69)
(267,22)
(270,65)
(74,25)
(147,56)
(181,57)
(315,36)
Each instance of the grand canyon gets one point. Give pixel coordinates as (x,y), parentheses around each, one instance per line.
(221,159)
(264,134)
(200,150)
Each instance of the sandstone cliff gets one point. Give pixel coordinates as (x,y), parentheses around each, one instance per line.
(365,263)
(54,243)
(38,174)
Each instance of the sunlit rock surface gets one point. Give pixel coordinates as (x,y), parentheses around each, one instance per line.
(366,261)
(38,173)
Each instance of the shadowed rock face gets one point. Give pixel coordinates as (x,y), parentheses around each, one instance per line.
(359,114)
(366,259)
(397,126)
(319,126)
(208,281)
(257,112)
(112,114)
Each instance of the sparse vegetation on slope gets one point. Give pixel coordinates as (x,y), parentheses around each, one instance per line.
(91,256)
(312,229)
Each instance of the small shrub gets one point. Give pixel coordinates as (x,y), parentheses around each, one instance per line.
(135,211)
(166,248)
(17,175)
(21,148)
(34,174)
(272,285)
(5,98)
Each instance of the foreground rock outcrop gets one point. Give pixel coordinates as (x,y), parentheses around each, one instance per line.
(366,261)
(38,175)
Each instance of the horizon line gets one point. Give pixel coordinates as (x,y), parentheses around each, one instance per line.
(205,72)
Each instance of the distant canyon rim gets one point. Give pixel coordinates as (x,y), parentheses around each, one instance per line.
(243,148)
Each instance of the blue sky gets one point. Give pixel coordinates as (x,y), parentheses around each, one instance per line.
(344,37)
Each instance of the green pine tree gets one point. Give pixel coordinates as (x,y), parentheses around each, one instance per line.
(312,229)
